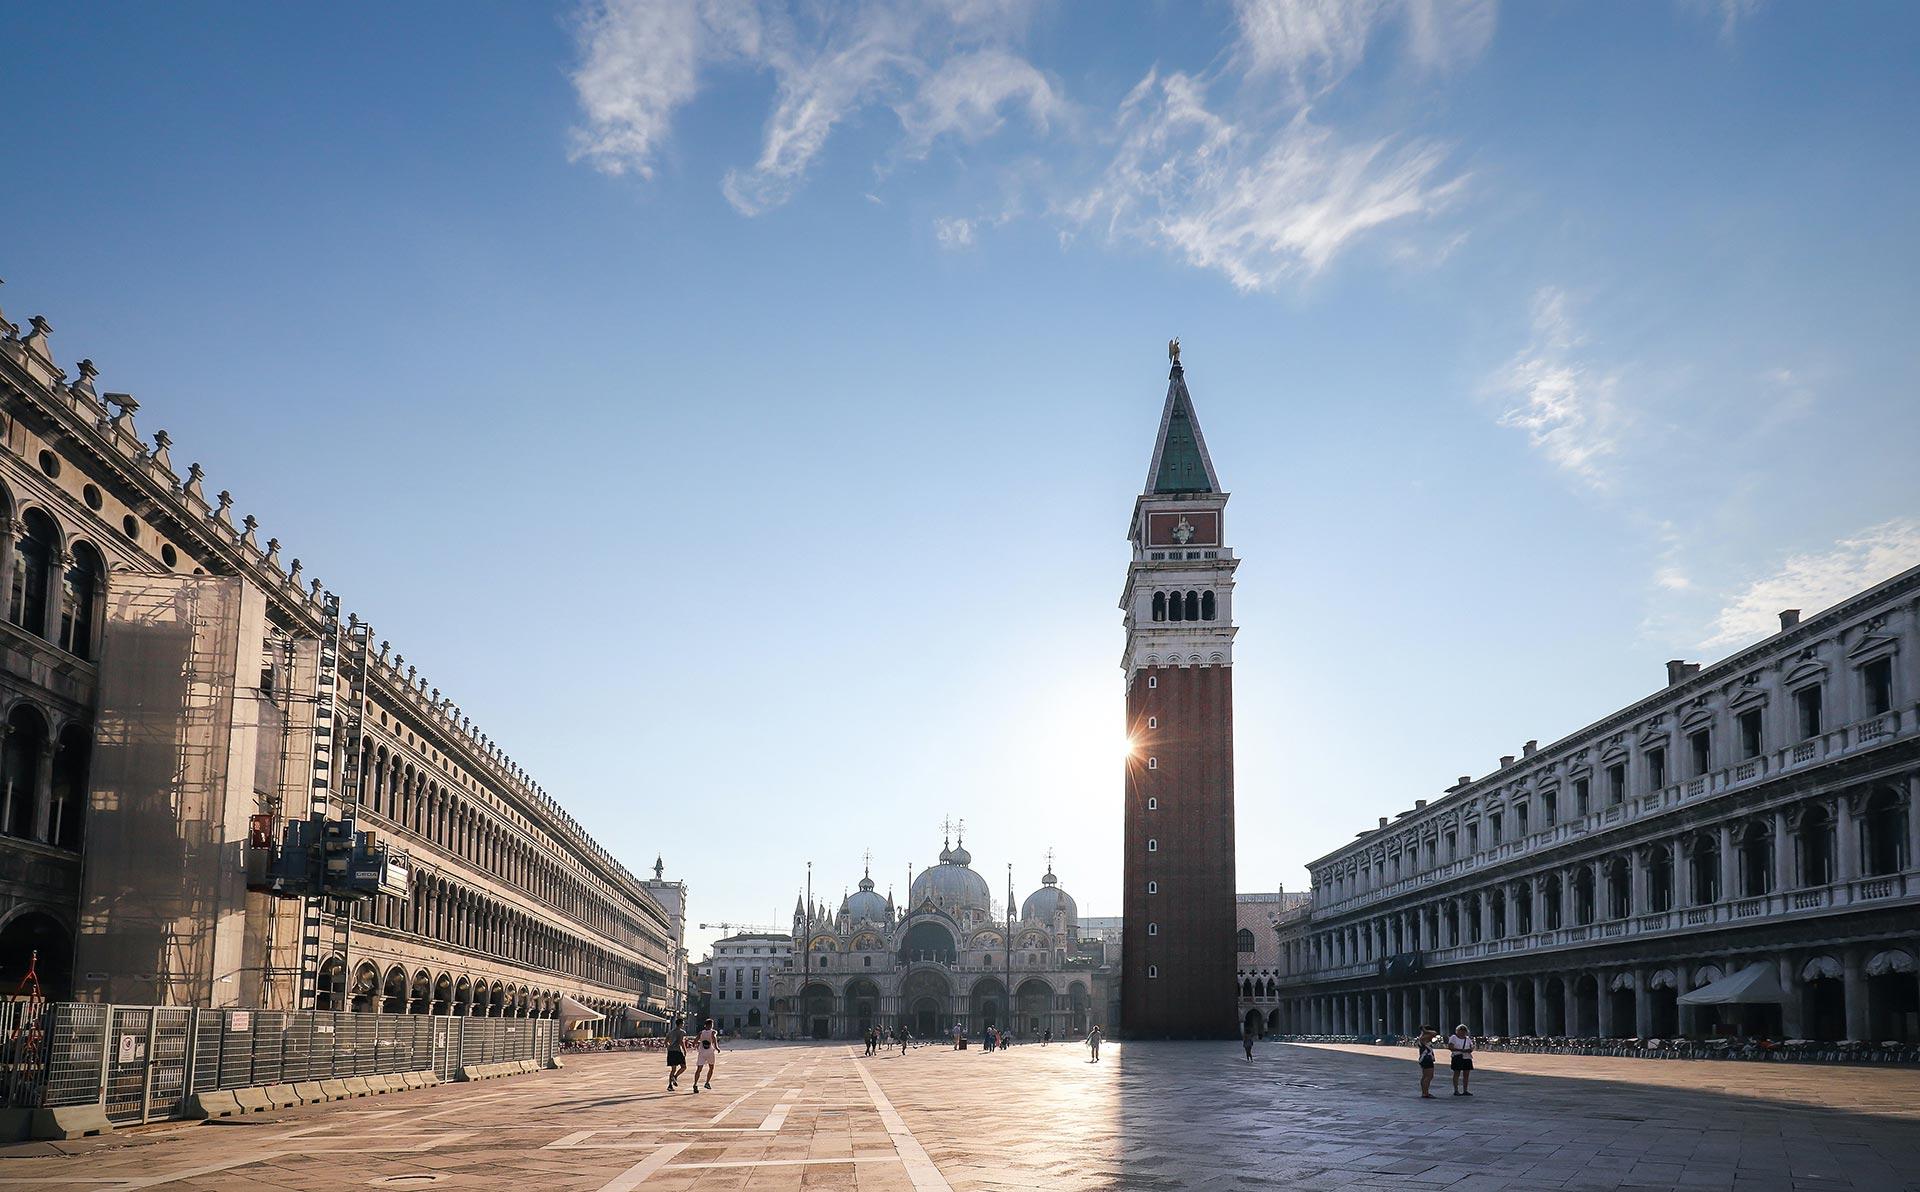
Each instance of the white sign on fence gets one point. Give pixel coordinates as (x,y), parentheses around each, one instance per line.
(133,1049)
(239,1020)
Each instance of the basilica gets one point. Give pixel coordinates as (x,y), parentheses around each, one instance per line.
(949,958)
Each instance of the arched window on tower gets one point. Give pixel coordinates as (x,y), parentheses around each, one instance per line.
(1174,607)
(1193,606)
(79,595)
(1159,606)
(1206,606)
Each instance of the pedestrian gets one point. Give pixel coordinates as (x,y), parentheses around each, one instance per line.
(1246,1041)
(708,1052)
(676,1054)
(1046,1036)
(1427,1037)
(904,1036)
(1460,1043)
(1093,1044)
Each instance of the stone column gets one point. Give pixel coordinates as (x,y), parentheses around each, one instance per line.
(1782,853)
(1486,1007)
(1854,974)
(1791,1024)
(1566,897)
(1729,863)
(1642,1005)
(1486,914)
(1677,869)
(43,788)
(1637,900)
(1602,1005)
(57,563)
(1466,1004)
(10,529)
(1846,842)
(1513,1004)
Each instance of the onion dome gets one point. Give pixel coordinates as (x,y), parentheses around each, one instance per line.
(951,885)
(866,905)
(1042,903)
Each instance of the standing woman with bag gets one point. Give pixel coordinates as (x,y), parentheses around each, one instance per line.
(1427,1036)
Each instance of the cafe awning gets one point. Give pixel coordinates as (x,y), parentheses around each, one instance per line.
(1757,984)
(635,1014)
(572,1011)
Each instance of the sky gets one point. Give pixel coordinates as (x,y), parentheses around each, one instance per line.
(737,409)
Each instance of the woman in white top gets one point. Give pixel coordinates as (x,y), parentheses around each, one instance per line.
(709,1043)
(1460,1043)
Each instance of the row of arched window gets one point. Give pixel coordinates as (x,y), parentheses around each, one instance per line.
(54,593)
(463,917)
(1189,606)
(43,779)
(412,799)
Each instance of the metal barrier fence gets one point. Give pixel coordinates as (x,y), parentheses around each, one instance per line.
(143,1062)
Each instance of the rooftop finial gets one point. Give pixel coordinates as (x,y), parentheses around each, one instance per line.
(1173,351)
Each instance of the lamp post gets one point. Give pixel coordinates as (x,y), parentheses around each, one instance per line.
(1009,943)
(806,960)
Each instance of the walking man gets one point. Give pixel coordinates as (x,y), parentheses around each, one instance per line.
(1093,1044)
(1246,1041)
(676,1054)
(1460,1043)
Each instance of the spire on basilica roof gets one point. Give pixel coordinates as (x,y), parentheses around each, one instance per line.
(1180,460)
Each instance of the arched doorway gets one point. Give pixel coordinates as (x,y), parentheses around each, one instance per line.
(463,997)
(1080,1006)
(816,1011)
(20,770)
(1893,997)
(442,994)
(1556,999)
(37,939)
(366,986)
(862,1006)
(328,985)
(1252,1023)
(1035,1004)
(1621,1006)
(393,994)
(1823,1003)
(987,1005)
(925,1000)
(1663,991)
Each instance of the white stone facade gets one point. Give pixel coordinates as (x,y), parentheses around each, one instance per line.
(1759,811)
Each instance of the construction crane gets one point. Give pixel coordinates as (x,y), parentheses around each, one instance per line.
(729,928)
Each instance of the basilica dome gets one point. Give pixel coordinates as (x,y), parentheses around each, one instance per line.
(1042,903)
(952,884)
(865,905)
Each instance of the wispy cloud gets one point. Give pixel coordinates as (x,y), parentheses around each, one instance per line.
(1817,580)
(1317,43)
(1227,169)
(1730,13)
(946,68)
(1568,407)
(953,233)
(1257,204)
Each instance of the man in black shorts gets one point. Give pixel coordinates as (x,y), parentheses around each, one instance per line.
(676,1054)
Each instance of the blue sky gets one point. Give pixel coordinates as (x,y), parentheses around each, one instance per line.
(738,409)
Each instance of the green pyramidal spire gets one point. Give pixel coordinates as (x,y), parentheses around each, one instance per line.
(1180,460)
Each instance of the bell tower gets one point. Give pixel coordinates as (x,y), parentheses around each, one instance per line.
(1178,948)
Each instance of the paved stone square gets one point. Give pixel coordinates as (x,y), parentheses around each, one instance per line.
(1149,1116)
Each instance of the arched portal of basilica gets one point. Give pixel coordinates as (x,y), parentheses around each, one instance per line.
(948,959)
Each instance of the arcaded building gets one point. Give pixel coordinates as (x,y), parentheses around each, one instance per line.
(1734,852)
(168,677)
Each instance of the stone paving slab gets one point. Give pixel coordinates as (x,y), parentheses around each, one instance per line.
(1149,1116)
